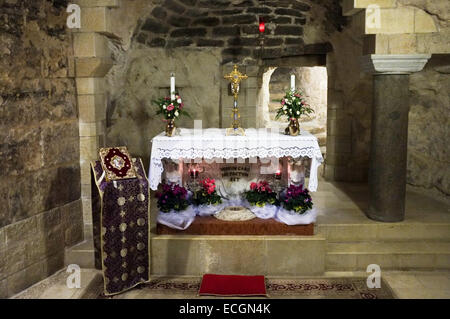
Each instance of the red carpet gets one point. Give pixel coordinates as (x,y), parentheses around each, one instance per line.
(232,285)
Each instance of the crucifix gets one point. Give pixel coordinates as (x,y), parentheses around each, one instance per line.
(235,78)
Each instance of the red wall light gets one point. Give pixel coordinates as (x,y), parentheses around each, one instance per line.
(262,25)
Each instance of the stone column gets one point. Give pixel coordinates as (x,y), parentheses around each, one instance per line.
(389,140)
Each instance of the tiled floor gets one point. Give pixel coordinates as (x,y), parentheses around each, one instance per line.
(405,285)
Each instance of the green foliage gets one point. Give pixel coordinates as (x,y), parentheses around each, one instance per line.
(293,105)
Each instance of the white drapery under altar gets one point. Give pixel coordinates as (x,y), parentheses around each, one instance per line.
(213,143)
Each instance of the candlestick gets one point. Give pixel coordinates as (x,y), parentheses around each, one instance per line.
(278,174)
(172,86)
(292,82)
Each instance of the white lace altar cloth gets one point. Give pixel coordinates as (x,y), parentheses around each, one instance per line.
(213,144)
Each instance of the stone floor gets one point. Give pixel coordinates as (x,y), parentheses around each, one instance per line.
(422,240)
(404,284)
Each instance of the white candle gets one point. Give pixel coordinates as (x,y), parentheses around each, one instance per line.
(292,82)
(172,86)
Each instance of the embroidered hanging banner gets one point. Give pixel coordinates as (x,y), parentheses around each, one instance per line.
(120,211)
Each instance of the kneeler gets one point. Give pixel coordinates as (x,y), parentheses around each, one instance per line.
(120,213)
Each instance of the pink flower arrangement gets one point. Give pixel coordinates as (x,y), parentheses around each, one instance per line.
(207,195)
(171,109)
(262,186)
(261,194)
(209,185)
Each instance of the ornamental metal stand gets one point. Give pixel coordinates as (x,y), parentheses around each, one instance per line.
(235,77)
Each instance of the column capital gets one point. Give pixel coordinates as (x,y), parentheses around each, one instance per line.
(394,63)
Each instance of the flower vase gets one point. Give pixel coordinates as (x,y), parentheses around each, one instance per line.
(170,127)
(294,127)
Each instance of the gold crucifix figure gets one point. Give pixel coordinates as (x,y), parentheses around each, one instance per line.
(235,78)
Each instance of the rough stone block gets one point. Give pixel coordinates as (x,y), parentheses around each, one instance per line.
(92,107)
(227,31)
(3,273)
(15,232)
(91,129)
(53,263)
(60,142)
(97,3)
(95,19)
(91,44)
(188,32)
(17,282)
(424,23)
(92,67)
(398,20)
(350,7)
(25,198)
(89,147)
(239,19)
(207,21)
(60,185)
(23,151)
(15,257)
(3,289)
(154,26)
(87,210)
(35,248)
(402,43)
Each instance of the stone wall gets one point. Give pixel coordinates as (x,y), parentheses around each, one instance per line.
(232,26)
(349,108)
(429,126)
(199,40)
(40,176)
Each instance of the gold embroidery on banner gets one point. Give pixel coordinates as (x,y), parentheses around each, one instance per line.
(121,201)
(141,222)
(122,214)
(124,276)
(141,197)
(131,224)
(131,198)
(140,269)
(140,246)
(141,258)
(123,227)
(123,252)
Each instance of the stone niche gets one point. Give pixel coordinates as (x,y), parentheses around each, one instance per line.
(200,41)
(131,118)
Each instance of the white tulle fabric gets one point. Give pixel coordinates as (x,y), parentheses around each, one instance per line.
(209,210)
(266,212)
(178,220)
(291,218)
(213,143)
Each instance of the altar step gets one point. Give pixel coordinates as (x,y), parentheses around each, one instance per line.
(282,256)
(411,255)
